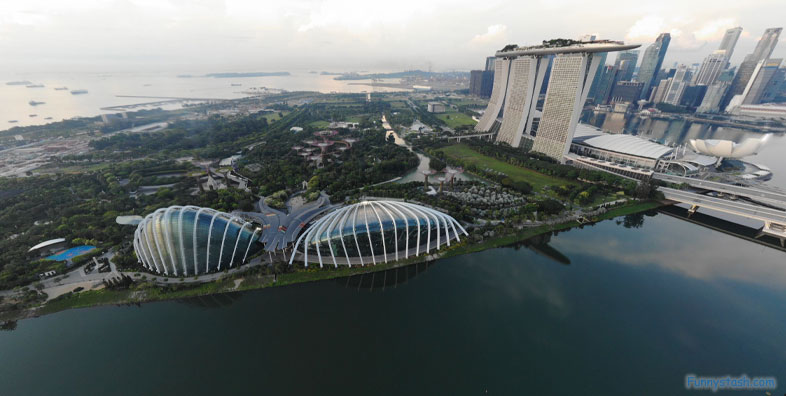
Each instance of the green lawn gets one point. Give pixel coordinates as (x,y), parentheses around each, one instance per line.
(455,120)
(467,155)
(320,124)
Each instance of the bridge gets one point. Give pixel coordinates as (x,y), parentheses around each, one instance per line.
(768,197)
(774,219)
(488,135)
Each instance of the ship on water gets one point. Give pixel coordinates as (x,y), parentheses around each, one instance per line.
(34,103)
(23,82)
(33,115)
(78,92)
(34,85)
(61,88)
(12,121)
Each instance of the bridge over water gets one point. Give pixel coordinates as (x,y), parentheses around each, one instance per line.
(774,219)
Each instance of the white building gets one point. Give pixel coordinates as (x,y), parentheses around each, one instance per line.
(436,107)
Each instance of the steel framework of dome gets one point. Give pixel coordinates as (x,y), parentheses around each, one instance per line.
(393,230)
(189,240)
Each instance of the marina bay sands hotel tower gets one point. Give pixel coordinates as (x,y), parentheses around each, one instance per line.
(518,78)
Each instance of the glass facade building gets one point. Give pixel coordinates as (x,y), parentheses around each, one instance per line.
(189,240)
(372,232)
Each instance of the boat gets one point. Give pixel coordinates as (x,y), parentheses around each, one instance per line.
(34,103)
(78,91)
(236,85)
(33,115)
(23,82)
(48,118)
(34,85)
(12,121)
(61,88)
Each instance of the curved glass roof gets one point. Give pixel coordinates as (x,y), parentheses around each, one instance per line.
(189,240)
(369,231)
(620,143)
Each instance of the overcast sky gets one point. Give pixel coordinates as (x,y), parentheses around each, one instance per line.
(339,35)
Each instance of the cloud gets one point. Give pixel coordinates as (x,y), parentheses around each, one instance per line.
(495,34)
(684,34)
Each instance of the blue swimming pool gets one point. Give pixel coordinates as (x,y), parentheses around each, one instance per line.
(71,253)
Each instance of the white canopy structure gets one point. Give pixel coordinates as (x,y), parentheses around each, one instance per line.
(376,231)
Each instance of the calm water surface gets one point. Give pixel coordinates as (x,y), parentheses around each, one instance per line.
(632,313)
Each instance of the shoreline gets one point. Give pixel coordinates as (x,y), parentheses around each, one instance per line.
(248,280)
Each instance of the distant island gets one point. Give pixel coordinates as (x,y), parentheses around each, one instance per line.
(403,74)
(251,74)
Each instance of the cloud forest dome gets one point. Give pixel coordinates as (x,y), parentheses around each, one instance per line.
(189,240)
(376,231)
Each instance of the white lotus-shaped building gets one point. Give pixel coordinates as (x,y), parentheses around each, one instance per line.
(728,148)
(372,232)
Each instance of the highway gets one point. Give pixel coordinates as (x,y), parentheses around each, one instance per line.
(766,196)
(739,208)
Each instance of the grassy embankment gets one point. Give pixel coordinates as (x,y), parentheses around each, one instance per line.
(467,155)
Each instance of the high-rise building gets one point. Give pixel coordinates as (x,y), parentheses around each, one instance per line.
(762,51)
(490,63)
(677,86)
(604,84)
(626,64)
(776,87)
(693,95)
(518,80)
(626,92)
(568,88)
(712,67)
(598,75)
(712,98)
(766,44)
(729,41)
(651,63)
(480,83)
(660,91)
(764,72)
(475,82)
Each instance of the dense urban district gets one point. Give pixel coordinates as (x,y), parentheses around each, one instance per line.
(280,153)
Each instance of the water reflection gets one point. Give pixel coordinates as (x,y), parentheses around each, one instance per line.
(749,234)
(697,252)
(381,280)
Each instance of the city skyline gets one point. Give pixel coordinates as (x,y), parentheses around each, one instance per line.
(303,35)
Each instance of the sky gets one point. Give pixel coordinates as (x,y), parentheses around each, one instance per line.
(343,35)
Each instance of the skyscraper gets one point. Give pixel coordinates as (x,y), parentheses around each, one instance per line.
(713,97)
(604,84)
(759,81)
(712,67)
(763,51)
(651,63)
(490,63)
(677,86)
(626,65)
(766,44)
(729,41)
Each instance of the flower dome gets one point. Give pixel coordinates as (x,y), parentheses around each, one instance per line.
(189,240)
(376,231)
